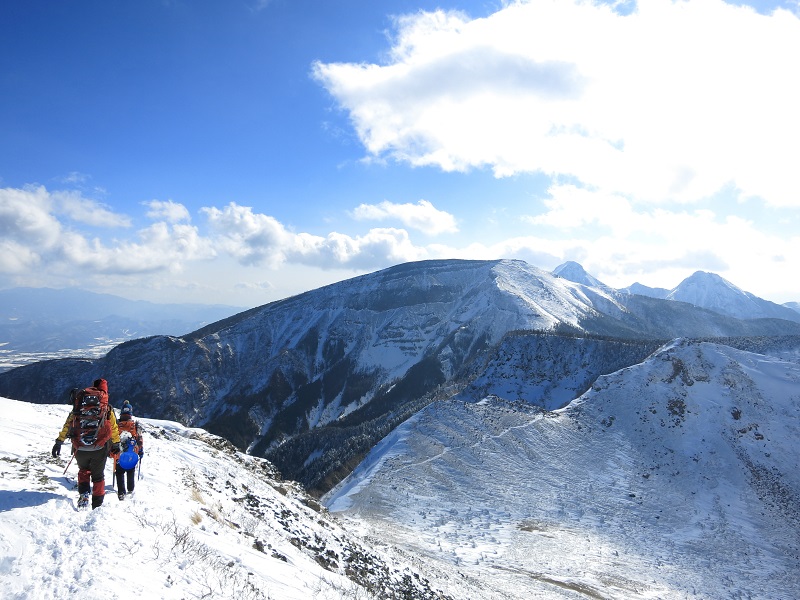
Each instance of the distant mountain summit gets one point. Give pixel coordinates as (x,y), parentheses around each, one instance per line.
(708,290)
(643,290)
(711,291)
(573,271)
(702,289)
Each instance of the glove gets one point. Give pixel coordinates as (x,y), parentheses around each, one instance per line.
(115,448)
(141,453)
(56,451)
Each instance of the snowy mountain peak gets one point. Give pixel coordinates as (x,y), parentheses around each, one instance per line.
(702,285)
(713,292)
(643,290)
(575,272)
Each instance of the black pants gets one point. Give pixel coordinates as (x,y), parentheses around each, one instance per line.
(122,476)
(92,465)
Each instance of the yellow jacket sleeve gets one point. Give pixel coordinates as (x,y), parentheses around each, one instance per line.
(65,430)
(114,428)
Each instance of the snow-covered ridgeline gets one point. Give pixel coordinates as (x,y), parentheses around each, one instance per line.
(203,521)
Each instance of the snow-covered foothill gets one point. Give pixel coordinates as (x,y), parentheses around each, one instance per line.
(674,478)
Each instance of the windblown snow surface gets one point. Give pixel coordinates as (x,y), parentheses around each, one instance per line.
(203,522)
(674,478)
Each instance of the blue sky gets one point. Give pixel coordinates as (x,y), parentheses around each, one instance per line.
(239,152)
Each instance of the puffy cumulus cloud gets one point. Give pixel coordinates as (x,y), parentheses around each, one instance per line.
(17,258)
(257,239)
(160,247)
(27,225)
(176,243)
(33,236)
(376,249)
(250,237)
(169,211)
(675,100)
(422,216)
(87,211)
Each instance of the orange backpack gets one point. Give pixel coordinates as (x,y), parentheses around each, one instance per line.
(128,425)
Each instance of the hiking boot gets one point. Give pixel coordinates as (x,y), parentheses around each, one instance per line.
(121,495)
(83,500)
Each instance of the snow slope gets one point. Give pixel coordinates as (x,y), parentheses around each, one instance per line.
(203,522)
(674,478)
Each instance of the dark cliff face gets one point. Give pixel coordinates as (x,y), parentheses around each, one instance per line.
(313,381)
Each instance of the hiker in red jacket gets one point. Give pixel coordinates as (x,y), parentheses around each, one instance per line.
(92,426)
(130,440)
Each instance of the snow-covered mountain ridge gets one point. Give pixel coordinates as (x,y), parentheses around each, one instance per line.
(313,381)
(203,522)
(673,478)
(710,291)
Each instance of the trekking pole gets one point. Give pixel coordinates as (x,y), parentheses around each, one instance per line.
(68,464)
(139,476)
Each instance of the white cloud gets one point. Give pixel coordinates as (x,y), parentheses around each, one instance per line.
(75,178)
(169,211)
(257,239)
(87,211)
(376,249)
(571,207)
(250,237)
(616,240)
(161,248)
(17,258)
(621,243)
(676,100)
(33,236)
(26,221)
(422,216)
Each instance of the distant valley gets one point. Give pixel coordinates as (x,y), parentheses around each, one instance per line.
(41,323)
